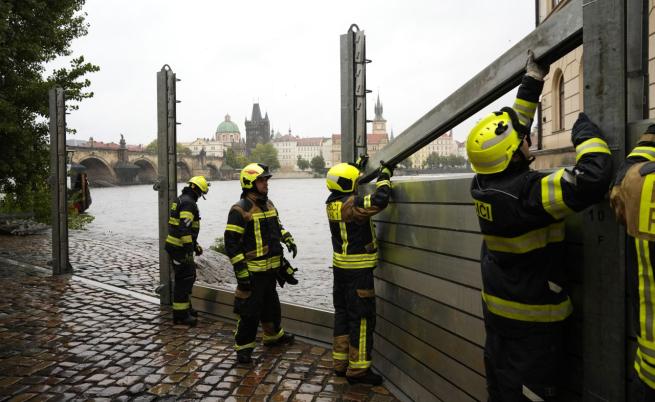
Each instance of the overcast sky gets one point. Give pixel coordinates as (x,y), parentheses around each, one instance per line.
(285,55)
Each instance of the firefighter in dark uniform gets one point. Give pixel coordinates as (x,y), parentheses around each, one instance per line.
(253,238)
(182,243)
(632,200)
(354,257)
(521,213)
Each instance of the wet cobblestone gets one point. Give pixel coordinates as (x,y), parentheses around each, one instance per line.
(63,339)
(133,264)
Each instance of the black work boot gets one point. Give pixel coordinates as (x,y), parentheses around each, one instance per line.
(286,338)
(369,377)
(244,356)
(182,317)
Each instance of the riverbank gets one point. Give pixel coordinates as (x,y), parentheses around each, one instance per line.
(133,264)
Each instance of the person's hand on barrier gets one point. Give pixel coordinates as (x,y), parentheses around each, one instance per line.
(534,69)
(198,249)
(361,162)
(584,129)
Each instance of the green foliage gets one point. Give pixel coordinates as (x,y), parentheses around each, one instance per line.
(435,160)
(266,154)
(318,164)
(302,163)
(78,221)
(181,149)
(33,33)
(219,245)
(230,159)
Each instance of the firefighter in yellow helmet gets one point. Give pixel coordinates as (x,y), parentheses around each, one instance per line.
(631,199)
(182,243)
(353,259)
(253,238)
(521,214)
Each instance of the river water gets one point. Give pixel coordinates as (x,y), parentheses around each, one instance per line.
(131,212)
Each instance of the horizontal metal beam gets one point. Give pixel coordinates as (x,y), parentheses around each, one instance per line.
(558,35)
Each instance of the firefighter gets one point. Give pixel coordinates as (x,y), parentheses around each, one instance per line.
(353,259)
(182,243)
(521,212)
(253,238)
(632,200)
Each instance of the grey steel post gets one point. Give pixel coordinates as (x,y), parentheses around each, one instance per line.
(353,94)
(58,175)
(609,100)
(167,164)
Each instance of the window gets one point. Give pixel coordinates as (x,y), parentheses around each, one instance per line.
(560,95)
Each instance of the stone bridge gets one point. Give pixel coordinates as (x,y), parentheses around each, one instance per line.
(106,167)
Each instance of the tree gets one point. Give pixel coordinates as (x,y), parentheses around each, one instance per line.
(434,160)
(266,154)
(231,158)
(180,149)
(33,33)
(318,164)
(302,163)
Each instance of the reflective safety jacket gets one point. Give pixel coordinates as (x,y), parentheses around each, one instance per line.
(353,234)
(183,224)
(253,235)
(521,215)
(633,200)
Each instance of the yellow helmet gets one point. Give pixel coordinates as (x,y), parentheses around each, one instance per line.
(252,172)
(342,177)
(491,144)
(201,183)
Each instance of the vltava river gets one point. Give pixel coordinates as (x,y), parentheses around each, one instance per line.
(131,212)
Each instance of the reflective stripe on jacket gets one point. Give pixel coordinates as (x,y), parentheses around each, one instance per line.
(634,206)
(521,214)
(253,234)
(183,224)
(353,234)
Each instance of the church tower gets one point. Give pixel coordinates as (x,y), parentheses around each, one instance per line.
(379,123)
(258,129)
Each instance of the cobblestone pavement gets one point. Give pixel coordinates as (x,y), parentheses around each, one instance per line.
(64,339)
(133,264)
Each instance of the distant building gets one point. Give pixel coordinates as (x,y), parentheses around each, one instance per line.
(375,141)
(309,148)
(258,129)
(211,147)
(286,150)
(442,146)
(227,132)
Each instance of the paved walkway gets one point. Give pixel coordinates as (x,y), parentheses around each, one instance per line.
(65,339)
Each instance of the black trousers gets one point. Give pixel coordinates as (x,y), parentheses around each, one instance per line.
(262,304)
(185,277)
(354,315)
(525,368)
(644,392)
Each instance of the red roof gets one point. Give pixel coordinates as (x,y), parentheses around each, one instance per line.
(312,141)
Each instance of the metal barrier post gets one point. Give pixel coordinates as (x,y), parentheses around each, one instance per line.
(58,175)
(614,95)
(353,94)
(167,181)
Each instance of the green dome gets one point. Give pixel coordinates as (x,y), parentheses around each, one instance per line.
(227,126)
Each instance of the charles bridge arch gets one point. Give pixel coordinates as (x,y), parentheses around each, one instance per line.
(112,167)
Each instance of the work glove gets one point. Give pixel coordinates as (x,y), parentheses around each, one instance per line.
(533,69)
(385,172)
(243,277)
(198,249)
(291,245)
(361,162)
(188,259)
(584,129)
(285,274)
